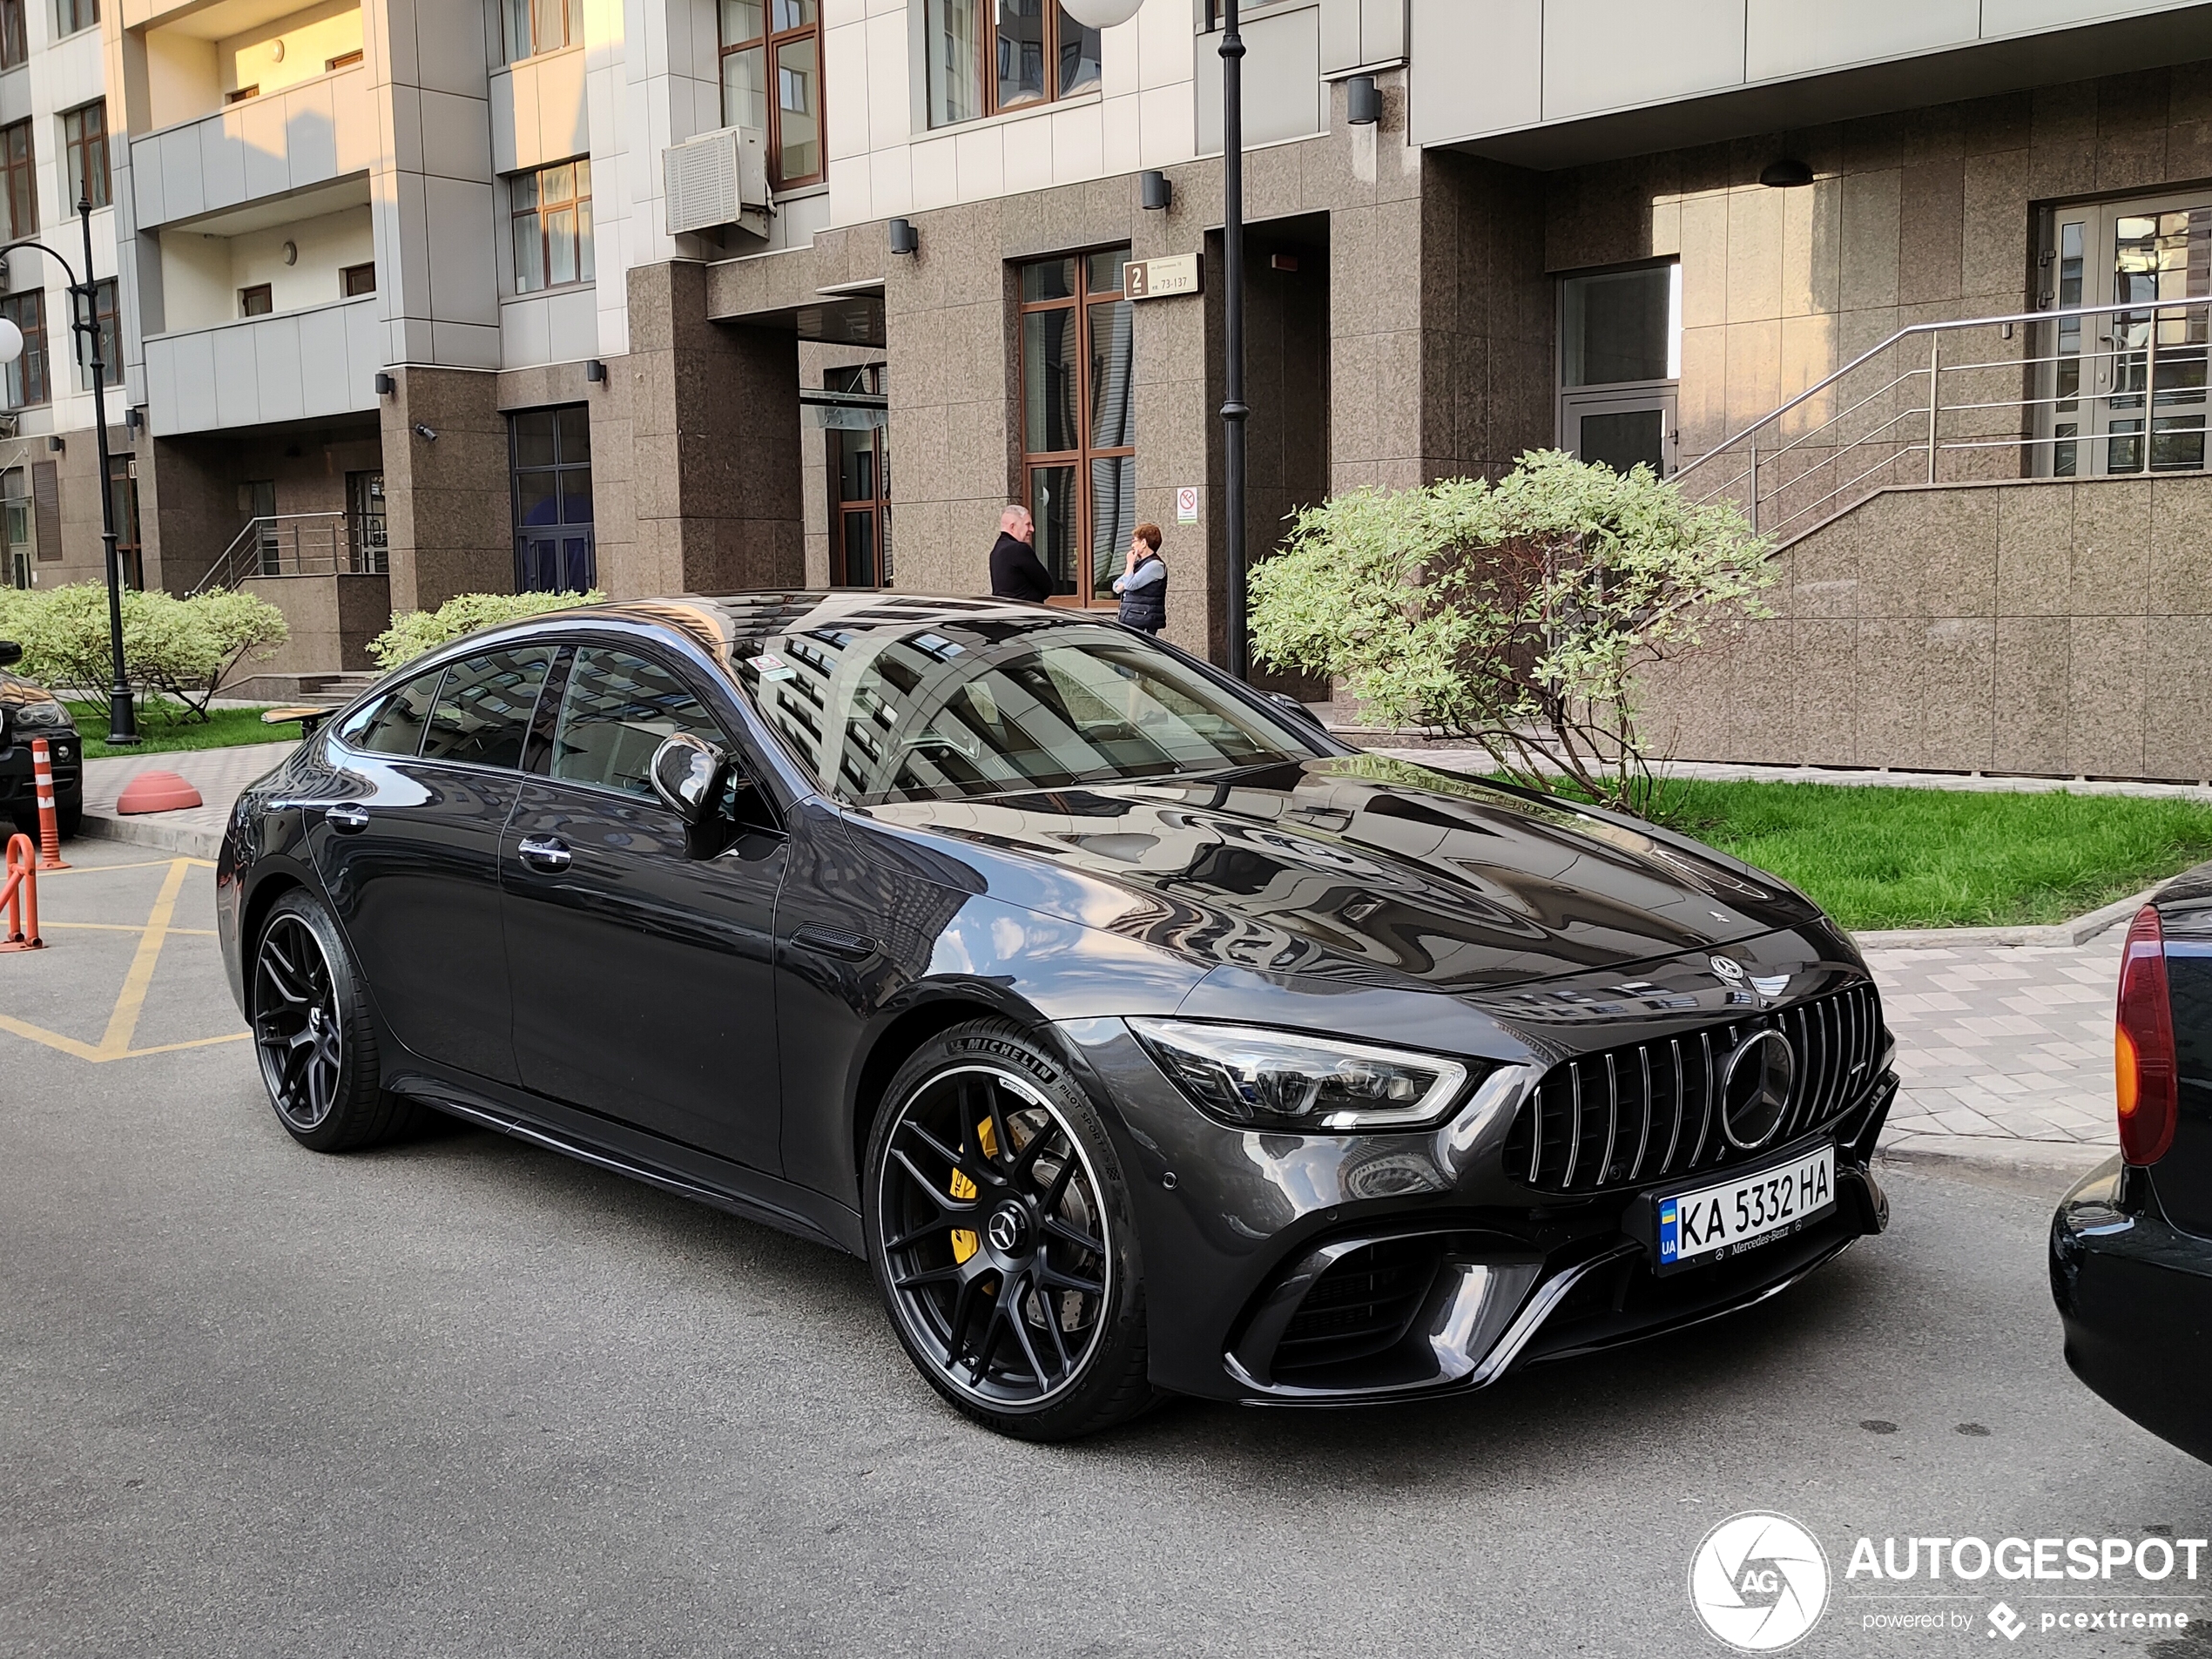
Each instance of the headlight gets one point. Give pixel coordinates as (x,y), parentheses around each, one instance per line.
(1259,1079)
(46,715)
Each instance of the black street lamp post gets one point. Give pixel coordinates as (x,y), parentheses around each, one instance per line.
(84,319)
(1232,275)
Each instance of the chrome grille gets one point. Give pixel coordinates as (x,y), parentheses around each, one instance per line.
(1631,1115)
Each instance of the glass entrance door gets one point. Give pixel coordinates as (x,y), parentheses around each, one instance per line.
(1620,365)
(2125,391)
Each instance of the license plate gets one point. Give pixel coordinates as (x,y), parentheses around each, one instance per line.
(1716,1222)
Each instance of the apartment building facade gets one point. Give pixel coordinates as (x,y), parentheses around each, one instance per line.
(422,298)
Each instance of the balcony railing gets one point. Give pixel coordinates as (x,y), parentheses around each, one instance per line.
(2034,393)
(282,544)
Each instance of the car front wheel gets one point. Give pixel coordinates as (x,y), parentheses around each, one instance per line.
(311,1033)
(1002,1238)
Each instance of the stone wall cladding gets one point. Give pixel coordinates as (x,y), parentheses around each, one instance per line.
(2061,627)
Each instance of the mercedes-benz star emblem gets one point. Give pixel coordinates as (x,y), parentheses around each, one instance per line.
(1755,1089)
(1006,1230)
(1727,969)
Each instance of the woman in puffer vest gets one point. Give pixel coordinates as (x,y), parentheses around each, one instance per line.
(1144,586)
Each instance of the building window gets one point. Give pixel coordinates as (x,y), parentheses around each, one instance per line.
(860,483)
(254,301)
(123,491)
(986,56)
(552,210)
(1620,338)
(23,382)
(365,520)
(20,165)
(354,280)
(104,312)
(344,60)
(778,42)
(16,523)
(73,14)
(550,452)
(14,46)
(239,94)
(535,26)
(84,146)
(1078,419)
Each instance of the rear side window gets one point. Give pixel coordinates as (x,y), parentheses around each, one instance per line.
(617,710)
(482,714)
(395,725)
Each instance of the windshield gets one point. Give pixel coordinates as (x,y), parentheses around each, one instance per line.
(958,708)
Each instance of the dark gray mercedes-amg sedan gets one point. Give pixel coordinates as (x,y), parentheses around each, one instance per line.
(1144,1038)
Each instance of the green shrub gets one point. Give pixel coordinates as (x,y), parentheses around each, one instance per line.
(413,632)
(180,649)
(1518,614)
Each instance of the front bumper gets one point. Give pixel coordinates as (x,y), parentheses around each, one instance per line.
(2134,1293)
(1314,1270)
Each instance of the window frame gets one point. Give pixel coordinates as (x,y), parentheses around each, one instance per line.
(986,67)
(267,293)
(875,508)
(578,202)
(22,172)
(15,33)
(769,43)
(527,12)
(15,308)
(1082,302)
(107,316)
(346,273)
(79,144)
(70,19)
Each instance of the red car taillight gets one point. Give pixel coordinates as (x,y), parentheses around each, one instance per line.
(2143,1061)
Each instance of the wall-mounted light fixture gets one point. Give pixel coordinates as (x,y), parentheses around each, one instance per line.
(595,371)
(57,444)
(385,384)
(1789,173)
(1362,101)
(904,238)
(1155,190)
(425,433)
(276,51)
(292,253)
(134,418)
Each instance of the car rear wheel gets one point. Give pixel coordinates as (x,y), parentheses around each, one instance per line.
(1002,1238)
(311,1033)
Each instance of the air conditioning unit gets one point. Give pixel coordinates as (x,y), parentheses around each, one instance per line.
(718,178)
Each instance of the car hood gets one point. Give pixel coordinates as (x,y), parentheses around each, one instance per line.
(1356,867)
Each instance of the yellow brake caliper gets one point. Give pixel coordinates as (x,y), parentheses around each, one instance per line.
(966,1243)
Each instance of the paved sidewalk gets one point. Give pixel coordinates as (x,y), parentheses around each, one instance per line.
(197,832)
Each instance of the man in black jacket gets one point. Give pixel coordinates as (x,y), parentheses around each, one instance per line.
(1016,572)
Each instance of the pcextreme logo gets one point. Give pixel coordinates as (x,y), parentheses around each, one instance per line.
(1758,1581)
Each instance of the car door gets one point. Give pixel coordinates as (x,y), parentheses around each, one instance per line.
(411,862)
(644,975)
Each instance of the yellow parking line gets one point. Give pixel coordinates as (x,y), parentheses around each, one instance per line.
(123,1020)
(146,864)
(127,928)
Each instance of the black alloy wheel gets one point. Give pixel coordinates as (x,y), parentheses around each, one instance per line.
(1001,1238)
(312,1033)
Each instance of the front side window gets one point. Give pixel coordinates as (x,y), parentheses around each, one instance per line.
(535,26)
(771,81)
(1079,420)
(982,56)
(21,165)
(24,382)
(482,714)
(105,313)
(552,216)
(900,712)
(84,152)
(70,15)
(617,709)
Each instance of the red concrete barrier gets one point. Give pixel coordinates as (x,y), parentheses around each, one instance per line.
(157,792)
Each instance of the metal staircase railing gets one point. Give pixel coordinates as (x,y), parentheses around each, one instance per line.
(2032,394)
(279,545)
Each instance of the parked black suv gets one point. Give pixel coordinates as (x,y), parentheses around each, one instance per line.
(28,711)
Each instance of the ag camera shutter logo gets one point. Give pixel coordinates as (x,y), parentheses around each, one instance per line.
(1758,1581)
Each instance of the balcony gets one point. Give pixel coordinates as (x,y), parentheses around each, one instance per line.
(299,365)
(306,135)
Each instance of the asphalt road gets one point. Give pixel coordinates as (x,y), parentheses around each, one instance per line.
(465,1397)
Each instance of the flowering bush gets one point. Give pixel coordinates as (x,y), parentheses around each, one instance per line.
(413,632)
(180,649)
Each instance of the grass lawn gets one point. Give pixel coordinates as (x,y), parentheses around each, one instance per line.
(162,730)
(1942,858)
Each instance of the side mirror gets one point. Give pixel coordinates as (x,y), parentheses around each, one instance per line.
(10,653)
(685,773)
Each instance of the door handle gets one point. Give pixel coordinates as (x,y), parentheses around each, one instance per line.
(347,820)
(831,941)
(544,852)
